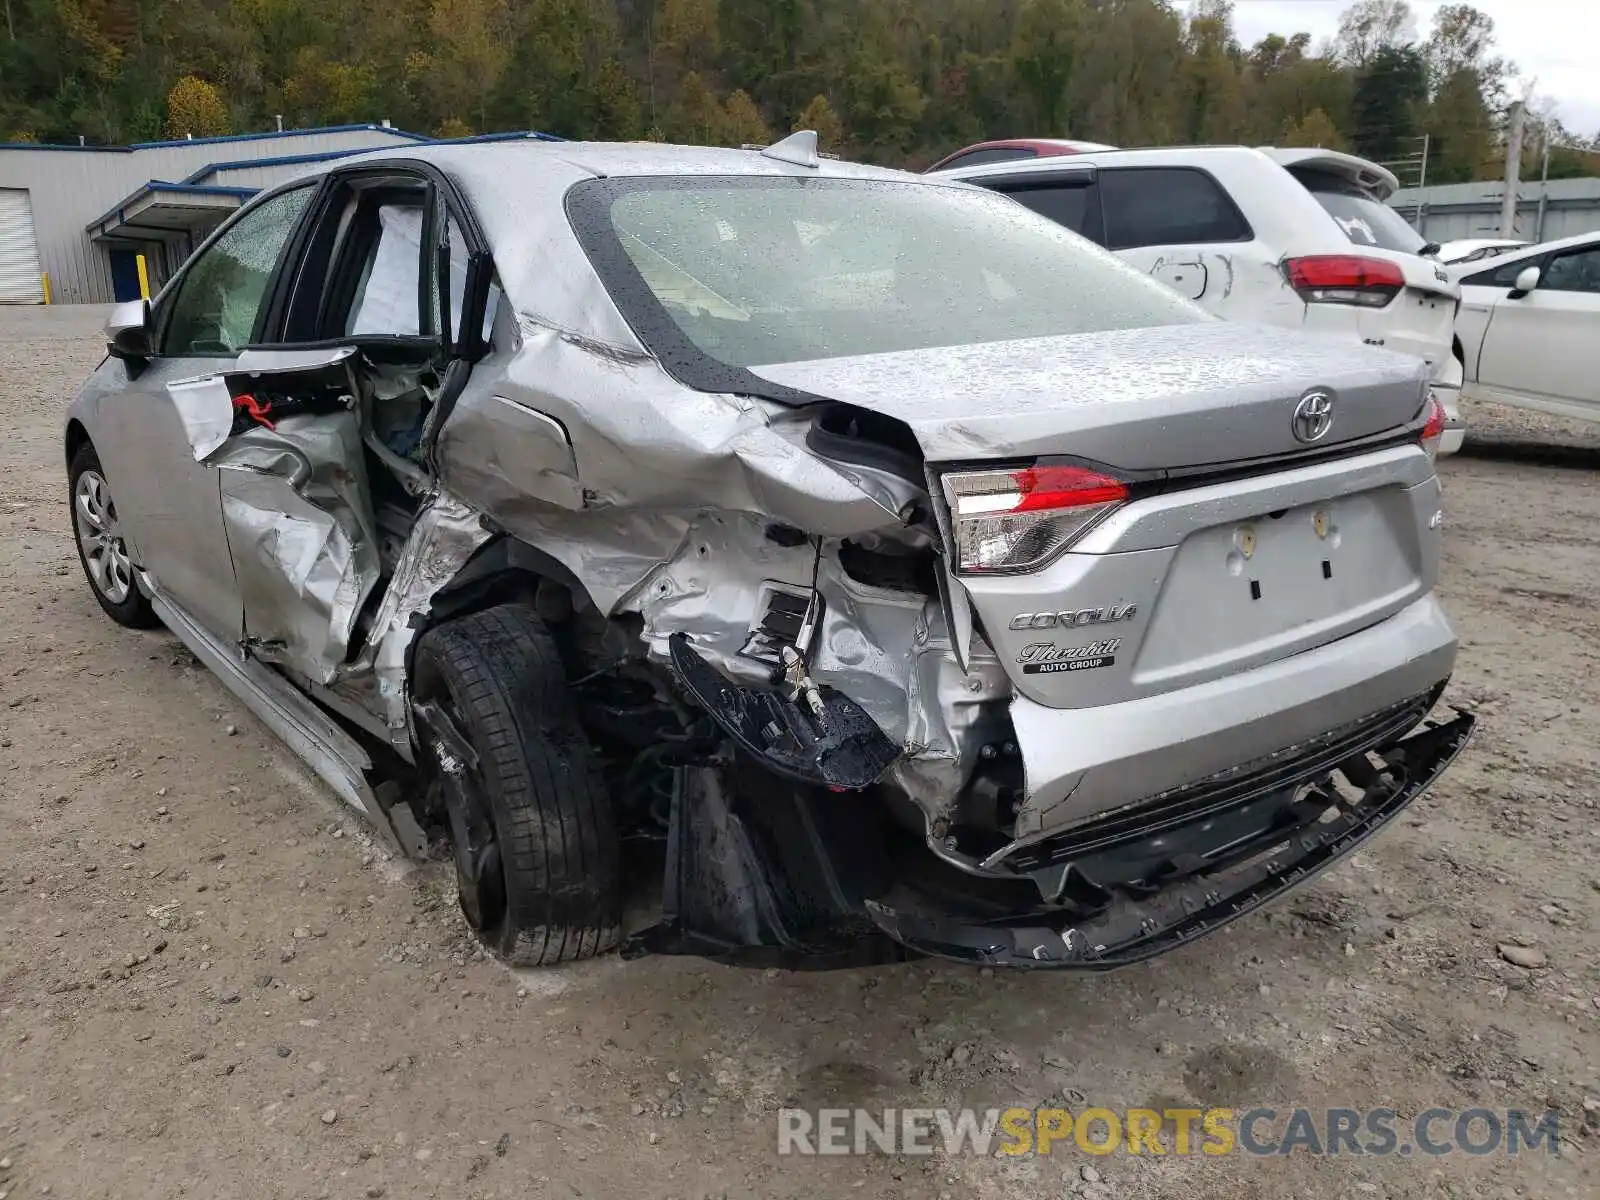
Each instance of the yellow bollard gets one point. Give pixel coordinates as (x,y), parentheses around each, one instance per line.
(144,277)
(44,278)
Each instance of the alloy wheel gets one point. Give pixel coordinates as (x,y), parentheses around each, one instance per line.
(94,517)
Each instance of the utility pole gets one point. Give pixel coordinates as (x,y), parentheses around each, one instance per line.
(1422,180)
(1508,202)
(1544,191)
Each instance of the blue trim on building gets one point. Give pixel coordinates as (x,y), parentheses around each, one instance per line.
(258,137)
(54,146)
(404,134)
(162,185)
(286,160)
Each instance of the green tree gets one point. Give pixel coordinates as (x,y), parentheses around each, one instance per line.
(696,118)
(819,116)
(1042,56)
(742,121)
(1369,27)
(1316,129)
(1213,100)
(1387,93)
(195,109)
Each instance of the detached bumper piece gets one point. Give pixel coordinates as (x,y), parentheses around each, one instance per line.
(830,741)
(1133,927)
(763,873)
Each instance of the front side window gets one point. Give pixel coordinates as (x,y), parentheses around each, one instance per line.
(1503,276)
(759,270)
(1167,206)
(1574,271)
(220,296)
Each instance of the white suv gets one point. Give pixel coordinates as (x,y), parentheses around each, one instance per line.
(1285,237)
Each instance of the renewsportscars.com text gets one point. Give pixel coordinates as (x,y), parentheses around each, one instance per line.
(1262,1132)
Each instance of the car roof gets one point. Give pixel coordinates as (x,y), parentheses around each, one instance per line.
(1538,249)
(1089,158)
(518,162)
(1480,243)
(1044,147)
(517,190)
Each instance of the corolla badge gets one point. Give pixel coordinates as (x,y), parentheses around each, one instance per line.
(1313,416)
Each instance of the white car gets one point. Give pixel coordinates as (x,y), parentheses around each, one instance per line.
(1293,237)
(1473,249)
(1529,326)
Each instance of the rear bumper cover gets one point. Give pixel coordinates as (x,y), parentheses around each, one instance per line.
(1081,762)
(1131,930)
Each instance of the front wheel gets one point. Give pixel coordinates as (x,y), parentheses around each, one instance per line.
(536,845)
(101,547)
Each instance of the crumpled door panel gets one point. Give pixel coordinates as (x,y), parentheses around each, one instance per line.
(300,526)
(295,503)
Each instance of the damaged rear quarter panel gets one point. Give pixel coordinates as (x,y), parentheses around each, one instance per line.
(667,517)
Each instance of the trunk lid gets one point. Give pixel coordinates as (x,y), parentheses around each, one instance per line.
(1138,399)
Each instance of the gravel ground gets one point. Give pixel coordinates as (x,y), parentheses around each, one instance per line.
(213,983)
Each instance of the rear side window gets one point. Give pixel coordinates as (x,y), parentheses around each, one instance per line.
(994,154)
(1167,206)
(1072,205)
(1365,220)
(388,292)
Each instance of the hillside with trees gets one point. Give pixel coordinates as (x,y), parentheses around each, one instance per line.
(892,81)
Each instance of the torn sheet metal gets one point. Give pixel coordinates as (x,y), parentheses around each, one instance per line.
(296,508)
(205,410)
(888,651)
(447,533)
(205,404)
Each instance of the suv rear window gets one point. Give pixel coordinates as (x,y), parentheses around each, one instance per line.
(754,270)
(1365,220)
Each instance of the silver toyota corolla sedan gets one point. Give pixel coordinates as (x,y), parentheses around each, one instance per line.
(880,565)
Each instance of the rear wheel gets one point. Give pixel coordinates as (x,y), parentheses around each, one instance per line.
(101,547)
(536,844)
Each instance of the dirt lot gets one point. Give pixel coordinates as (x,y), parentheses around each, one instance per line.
(212,984)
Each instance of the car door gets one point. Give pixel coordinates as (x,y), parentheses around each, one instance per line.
(1540,345)
(327,466)
(1480,290)
(167,498)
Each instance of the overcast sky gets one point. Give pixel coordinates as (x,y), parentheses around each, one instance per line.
(1554,43)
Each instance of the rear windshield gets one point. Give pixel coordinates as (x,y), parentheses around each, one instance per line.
(761,270)
(1366,221)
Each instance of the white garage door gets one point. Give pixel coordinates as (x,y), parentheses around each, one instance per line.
(19,252)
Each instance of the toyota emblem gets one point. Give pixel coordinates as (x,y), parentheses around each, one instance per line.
(1313,416)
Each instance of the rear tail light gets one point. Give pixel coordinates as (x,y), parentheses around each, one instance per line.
(1344,279)
(1007,522)
(1433,427)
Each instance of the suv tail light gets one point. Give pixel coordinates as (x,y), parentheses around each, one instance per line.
(1433,428)
(1008,522)
(1344,279)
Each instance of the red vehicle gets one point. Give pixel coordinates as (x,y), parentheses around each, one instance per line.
(1010,149)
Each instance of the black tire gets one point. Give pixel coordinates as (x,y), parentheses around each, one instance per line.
(499,675)
(132,608)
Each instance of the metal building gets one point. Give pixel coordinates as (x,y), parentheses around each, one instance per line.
(81,215)
(1448,212)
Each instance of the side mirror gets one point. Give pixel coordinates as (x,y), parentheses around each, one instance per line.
(1527,280)
(128,332)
